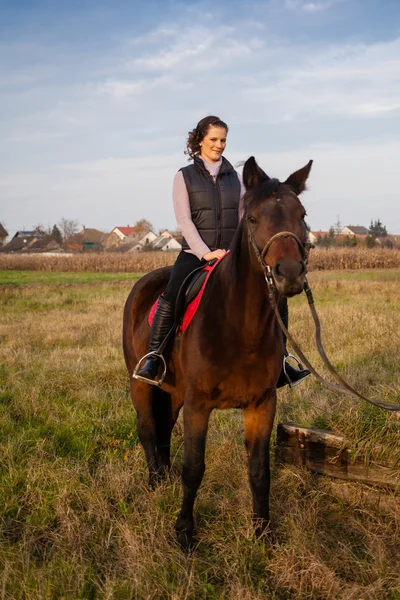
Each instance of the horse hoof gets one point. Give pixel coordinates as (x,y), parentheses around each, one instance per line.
(184,533)
(185,541)
(155,479)
(263,530)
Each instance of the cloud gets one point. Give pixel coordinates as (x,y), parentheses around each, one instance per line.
(104,125)
(311,7)
(351,80)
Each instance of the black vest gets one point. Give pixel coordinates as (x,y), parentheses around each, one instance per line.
(214,206)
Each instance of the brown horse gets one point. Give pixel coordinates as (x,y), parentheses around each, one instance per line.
(231,355)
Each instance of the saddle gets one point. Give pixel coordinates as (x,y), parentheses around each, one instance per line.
(190,295)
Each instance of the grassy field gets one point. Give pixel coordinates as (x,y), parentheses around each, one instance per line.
(77,518)
(18,278)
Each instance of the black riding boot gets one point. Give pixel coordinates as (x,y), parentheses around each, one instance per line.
(164,318)
(289,375)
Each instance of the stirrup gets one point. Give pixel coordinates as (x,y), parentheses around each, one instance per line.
(150,381)
(300,366)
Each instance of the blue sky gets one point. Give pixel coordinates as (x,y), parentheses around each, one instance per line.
(96,99)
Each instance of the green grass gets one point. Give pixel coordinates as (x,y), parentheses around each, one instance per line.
(17,278)
(76,517)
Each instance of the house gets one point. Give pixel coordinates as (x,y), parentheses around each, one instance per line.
(315,236)
(167,244)
(87,239)
(111,241)
(148,238)
(354,230)
(123,232)
(22,240)
(3,236)
(44,244)
(144,242)
(124,235)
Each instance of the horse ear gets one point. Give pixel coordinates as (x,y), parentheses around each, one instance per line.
(252,174)
(297,180)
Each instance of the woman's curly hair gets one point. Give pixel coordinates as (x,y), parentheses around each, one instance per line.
(199,132)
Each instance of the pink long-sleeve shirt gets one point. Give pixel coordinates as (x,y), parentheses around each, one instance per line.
(182,209)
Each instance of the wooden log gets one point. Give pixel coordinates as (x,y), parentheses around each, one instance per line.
(325,452)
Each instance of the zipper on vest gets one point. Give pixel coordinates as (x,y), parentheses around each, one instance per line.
(218,214)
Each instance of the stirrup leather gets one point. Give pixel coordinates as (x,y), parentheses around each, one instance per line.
(300,366)
(150,381)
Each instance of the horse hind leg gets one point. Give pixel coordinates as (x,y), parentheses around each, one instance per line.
(165,413)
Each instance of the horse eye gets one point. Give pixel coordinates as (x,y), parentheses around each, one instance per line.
(252,220)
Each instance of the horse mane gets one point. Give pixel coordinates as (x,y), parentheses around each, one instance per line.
(252,198)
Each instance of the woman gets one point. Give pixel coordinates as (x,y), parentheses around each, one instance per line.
(207,202)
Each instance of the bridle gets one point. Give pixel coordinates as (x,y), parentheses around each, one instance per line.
(303,247)
(345,387)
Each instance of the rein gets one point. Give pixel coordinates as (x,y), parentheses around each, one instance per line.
(345,387)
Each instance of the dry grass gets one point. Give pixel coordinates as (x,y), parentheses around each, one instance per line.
(354,258)
(118,262)
(77,519)
(320,259)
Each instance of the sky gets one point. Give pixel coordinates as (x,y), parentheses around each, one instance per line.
(97,98)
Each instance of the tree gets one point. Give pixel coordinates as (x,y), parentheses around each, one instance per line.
(370,241)
(337,226)
(376,229)
(350,241)
(325,241)
(56,235)
(332,236)
(68,228)
(143,226)
(39,229)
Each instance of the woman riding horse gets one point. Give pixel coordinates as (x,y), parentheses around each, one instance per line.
(231,355)
(208,204)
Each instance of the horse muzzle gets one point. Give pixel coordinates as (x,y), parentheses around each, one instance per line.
(289,276)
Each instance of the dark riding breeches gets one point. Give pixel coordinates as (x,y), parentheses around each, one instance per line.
(184,264)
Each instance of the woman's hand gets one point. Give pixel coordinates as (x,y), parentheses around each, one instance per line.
(215,254)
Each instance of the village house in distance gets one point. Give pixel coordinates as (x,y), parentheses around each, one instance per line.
(3,236)
(354,235)
(120,239)
(128,239)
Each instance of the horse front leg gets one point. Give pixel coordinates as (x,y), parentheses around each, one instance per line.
(195,418)
(141,394)
(258,421)
(165,411)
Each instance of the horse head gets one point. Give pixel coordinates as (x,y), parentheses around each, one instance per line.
(274,224)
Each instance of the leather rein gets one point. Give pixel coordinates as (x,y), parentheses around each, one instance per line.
(345,387)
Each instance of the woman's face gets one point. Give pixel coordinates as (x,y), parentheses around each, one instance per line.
(213,144)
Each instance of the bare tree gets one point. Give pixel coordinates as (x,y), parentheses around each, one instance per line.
(40,229)
(68,228)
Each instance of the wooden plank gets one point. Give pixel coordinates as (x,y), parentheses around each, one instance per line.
(325,452)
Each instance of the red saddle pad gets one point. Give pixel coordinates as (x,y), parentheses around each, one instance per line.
(194,304)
